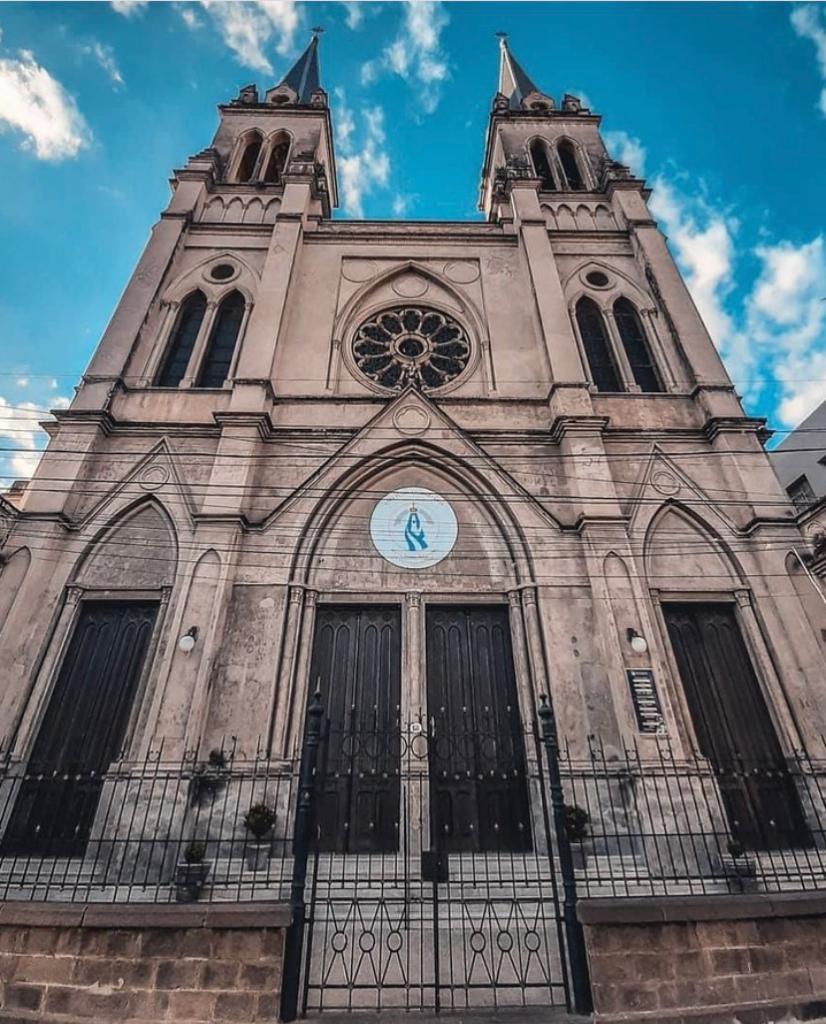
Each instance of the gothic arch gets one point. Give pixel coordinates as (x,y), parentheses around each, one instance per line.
(136,549)
(359,305)
(681,551)
(373,297)
(246,281)
(583,161)
(574,287)
(456,474)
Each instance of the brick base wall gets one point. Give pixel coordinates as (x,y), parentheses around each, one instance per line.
(750,959)
(136,965)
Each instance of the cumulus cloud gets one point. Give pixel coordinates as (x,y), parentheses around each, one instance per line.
(809,22)
(129,8)
(35,104)
(105,56)
(354,13)
(416,54)
(364,165)
(19,426)
(190,18)
(627,149)
(249,27)
(777,334)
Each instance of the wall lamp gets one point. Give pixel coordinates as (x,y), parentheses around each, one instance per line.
(187,641)
(639,645)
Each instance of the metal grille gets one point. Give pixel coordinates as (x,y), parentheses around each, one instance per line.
(411,924)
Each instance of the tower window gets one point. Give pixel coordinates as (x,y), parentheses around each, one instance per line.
(181,344)
(570,165)
(636,347)
(277,162)
(597,347)
(246,169)
(221,345)
(542,165)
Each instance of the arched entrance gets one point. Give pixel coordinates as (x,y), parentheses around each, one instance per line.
(431,872)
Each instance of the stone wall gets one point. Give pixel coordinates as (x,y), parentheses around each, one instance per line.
(745,959)
(137,965)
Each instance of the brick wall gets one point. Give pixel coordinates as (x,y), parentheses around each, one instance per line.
(749,959)
(140,964)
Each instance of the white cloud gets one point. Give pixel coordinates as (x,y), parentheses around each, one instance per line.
(777,334)
(19,425)
(401,204)
(34,103)
(809,23)
(190,18)
(129,8)
(365,167)
(355,13)
(702,240)
(250,26)
(627,149)
(416,54)
(105,56)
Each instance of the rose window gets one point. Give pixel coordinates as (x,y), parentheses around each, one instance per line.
(411,345)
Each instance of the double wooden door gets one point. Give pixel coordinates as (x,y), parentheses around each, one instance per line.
(471,747)
(83,729)
(733,727)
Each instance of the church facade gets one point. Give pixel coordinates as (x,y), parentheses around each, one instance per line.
(431,470)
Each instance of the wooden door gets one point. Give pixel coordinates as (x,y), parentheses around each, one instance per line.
(83,729)
(733,727)
(478,792)
(356,663)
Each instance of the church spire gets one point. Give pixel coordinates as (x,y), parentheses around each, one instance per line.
(303,80)
(514,82)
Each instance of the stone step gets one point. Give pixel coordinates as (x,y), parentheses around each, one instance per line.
(502,1015)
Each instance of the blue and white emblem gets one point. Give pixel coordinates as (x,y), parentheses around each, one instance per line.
(413,528)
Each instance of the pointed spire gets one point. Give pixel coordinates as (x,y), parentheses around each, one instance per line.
(303,78)
(514,83)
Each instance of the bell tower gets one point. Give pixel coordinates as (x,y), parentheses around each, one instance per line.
(530,137)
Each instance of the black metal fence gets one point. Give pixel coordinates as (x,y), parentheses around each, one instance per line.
(645,824)
(155,831)
(634,823)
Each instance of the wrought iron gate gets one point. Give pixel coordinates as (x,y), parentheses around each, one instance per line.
(423,917)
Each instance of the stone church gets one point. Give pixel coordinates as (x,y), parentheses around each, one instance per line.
(433,471)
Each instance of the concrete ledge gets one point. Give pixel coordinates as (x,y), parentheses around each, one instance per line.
(145,915)
(769,1012)
(732,907)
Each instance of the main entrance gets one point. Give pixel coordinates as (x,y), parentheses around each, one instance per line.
(430,882)
(733,727)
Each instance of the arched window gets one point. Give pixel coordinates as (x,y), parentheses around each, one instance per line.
(636,346)
(277,161)
(570,165)
(542,165)
(221,345)
(182,341)
(597,346)
(246,168)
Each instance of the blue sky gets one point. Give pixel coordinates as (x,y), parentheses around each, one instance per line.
(721,106)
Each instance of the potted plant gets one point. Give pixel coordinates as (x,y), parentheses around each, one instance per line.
(739,866)
(191,873)
(577,820)
(259,821)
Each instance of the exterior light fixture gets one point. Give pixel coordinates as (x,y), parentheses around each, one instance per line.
(187,641)
(639,645)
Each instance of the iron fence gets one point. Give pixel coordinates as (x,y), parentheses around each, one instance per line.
(154,831)
(647,824)
(625,823)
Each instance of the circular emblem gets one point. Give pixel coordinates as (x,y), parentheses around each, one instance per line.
(413,528)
